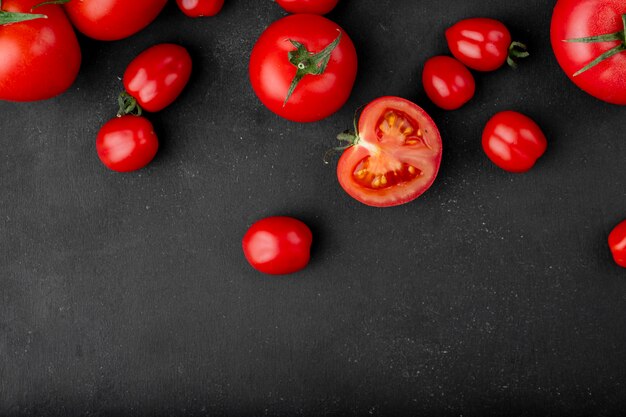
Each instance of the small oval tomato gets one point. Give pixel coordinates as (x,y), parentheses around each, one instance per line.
(395,155)
(308,6)
(200,8)
(513,141)
(157,76)
(617,244)
(447,82)
(127,143)
(278,245)
(588,42)
(483,44)
(303,67)
(110,20)
(39,58)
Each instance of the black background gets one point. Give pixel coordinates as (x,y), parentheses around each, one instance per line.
(493,294)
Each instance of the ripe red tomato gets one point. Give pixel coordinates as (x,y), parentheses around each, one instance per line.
(308,6)
(278,245)
(200,8)
(127,143)
(483,44)
(291,81)
(617,244)
(588,36)
(395,155)
(513,141)
(447,82)
(157,76)
(110,20)
(39,58)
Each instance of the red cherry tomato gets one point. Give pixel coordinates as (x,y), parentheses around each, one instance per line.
(395,156)
(39,58)
(617,244)
(127,143)
(278,245)
(110,20)
(308,6)
(580,23)
(295,84)
(157,76)
(513,141)
(447,82)
(200,8)
(483,44)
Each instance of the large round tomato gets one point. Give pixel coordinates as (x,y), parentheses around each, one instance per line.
(110,20)
(588,32)
(39,58)
(158,75)
(617,244)
(127,143)
(303,67)
(308,6)
(278,245)
(447,82)
(200,8)
(395,155)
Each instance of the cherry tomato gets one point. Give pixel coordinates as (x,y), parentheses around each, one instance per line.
(278,245)
(581,34)
(394,157)
(308,6)
(617,244)
(513,141)
(127,143)
(110,20)
(200,8)
(157,76)
(447,82)
(303,67)
(483,44)
(39,58)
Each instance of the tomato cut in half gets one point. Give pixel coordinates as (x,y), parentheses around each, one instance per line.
(395,156)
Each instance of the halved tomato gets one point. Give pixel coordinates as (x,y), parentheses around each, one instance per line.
(395,154)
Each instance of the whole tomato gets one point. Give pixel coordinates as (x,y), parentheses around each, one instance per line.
(200,8)
(588,42)
(483,44)
(127,143)
(447,82)
(308,6)
(617,244)
(278,245)
(39,54)
(394,155)
(513,141)
(303,67)
(110,20)
(157,76)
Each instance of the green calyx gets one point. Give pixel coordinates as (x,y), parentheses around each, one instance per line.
(308,63)
(517,50)
(608,37)
(350,138)
(7,18)
(128,105)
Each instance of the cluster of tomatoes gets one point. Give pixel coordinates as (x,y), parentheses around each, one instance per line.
(303,68)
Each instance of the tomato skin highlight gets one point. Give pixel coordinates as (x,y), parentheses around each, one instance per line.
(316,96)
(40,58)
(111,20)
(396,157)
(574,19)
(447,82)
(513,141)
(480,43)
(200,8)
(157,76)
(308,6)
(617,244)
(278,245)
(127,143)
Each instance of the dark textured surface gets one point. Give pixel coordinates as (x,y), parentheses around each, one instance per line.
(493,294)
